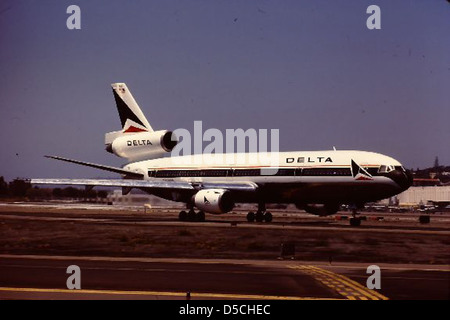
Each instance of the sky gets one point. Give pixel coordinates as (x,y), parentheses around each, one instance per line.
(311,69)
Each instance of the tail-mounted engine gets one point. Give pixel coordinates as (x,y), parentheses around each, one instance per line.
(141,145)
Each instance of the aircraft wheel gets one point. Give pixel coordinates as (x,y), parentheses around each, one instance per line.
(200,216)
(191,216)
(183,216)
(250,217)
(355,222)
(259,216)
(268,217)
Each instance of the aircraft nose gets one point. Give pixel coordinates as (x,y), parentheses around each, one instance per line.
(410,178)
(403,178)
(406,180)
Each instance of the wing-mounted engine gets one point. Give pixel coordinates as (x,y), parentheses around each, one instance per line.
(214,201)
(143,145)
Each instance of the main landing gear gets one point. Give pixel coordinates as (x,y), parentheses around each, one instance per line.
(354,220)
(192,216)
(260,215)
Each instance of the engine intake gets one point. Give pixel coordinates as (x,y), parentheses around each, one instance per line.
(214,201)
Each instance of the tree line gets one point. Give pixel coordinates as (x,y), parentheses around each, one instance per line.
(20,188)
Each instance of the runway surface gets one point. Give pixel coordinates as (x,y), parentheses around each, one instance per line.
(126,253)
(44,277)
(406,223)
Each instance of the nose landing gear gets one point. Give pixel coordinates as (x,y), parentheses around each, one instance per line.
(355,221)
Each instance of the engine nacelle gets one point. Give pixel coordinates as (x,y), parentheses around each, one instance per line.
(143,145)
(327,209)
(214,201)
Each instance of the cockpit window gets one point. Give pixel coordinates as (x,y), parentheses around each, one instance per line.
(386,169)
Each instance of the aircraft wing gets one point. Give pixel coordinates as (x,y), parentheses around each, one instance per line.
(138,182)
(150,184)
(126,183)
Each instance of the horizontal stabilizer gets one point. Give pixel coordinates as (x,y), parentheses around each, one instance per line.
(100,166)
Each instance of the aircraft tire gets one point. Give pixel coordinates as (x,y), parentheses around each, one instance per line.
(183,216)
(250,217)
(191,216)
(200,216)
(268,217)
(355,222)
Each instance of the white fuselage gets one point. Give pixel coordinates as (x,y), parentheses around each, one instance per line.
(293,160)
(308,176)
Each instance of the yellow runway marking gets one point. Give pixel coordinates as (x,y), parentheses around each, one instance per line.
(347,281)
(158,293)
(344,286)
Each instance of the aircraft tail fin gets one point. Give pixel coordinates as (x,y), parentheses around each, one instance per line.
(131,116)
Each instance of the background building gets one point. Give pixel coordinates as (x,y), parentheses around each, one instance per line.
(423,195)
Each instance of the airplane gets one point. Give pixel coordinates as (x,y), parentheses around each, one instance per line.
(318,182)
